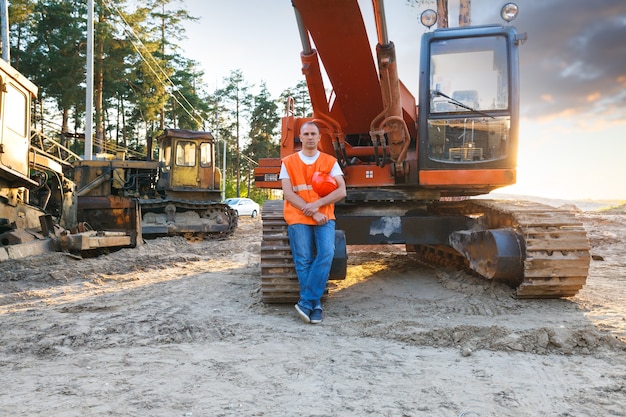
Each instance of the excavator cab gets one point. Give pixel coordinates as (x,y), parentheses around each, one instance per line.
(469,117)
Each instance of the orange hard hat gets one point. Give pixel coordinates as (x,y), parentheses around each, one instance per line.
(323,183)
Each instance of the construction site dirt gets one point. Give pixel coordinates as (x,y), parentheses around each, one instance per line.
(177,328)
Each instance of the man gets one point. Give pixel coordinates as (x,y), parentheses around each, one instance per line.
(310,219)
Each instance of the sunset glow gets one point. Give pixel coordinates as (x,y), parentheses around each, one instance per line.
(573,127)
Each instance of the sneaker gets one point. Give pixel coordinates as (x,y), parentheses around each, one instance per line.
(316,316)
(303,313)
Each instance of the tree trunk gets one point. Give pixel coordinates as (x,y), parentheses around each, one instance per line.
(76,127)
(149,142)
(64,126)
(124,138)
(16,57)
(442,13)
(106,122)
(174,121)
(465,16)
(41,118)
(117,123)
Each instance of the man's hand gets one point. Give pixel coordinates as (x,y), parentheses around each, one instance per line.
(319,218)
(311,208)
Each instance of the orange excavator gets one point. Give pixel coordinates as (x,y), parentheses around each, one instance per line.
(411,170)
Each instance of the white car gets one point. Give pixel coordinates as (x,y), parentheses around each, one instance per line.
(244,206)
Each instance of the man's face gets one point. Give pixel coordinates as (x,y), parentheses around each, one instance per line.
(310,136)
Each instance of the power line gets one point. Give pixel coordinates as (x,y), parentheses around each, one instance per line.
(127,28)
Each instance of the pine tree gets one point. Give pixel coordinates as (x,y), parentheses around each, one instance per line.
(236,98)
(263,127)
(301,100)
(55,57)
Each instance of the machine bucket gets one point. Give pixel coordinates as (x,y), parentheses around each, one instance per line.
(495,254)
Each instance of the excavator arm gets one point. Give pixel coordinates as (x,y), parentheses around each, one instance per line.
(338,26)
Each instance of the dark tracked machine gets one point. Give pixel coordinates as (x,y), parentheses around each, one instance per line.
(410,174)
(178,195)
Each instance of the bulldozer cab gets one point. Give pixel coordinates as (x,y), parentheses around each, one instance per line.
(188,165)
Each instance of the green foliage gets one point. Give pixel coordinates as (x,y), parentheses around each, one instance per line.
(236,99)
(263,127)
(231,187)
(22,13)
(296,100)
(143,83)
(54,58)
(187,108)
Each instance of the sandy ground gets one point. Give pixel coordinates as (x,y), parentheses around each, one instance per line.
(175,328)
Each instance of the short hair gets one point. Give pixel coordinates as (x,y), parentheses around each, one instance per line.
(310,123)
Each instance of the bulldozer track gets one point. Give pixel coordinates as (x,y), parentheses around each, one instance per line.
(206,209)
(557,250)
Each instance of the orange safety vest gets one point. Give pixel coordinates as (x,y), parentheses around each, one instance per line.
(301,176)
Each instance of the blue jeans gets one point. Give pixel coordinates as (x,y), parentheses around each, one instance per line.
(313,248)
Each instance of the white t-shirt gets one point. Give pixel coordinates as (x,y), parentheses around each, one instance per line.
(309,160)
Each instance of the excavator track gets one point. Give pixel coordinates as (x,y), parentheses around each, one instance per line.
(556,250)
(556,247)
(279,282)
(216,215)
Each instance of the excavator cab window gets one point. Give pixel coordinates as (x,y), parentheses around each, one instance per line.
(469,107)
(469,74)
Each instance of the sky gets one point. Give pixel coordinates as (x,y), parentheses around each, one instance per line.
(573,77)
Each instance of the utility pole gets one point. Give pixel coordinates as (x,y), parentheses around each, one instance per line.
(89,99)
(6,46)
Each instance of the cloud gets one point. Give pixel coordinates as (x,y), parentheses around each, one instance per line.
(574,55)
